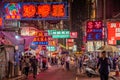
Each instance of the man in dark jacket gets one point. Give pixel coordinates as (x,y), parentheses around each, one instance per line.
(34,64)
(103,65)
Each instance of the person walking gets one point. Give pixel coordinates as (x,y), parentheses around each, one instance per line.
(34,64)
(26,65)
(67,60)
(80,63)
(103,65)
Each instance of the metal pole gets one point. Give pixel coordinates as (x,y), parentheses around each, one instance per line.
(104,21)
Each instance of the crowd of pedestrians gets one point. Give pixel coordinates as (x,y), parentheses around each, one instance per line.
(33,64)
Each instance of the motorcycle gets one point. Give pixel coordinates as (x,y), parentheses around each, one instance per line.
(91,72)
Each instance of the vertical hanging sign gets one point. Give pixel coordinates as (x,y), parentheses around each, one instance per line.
(94,30)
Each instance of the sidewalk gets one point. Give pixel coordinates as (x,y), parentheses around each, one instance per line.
(16,78)
(112,75)
(51,68)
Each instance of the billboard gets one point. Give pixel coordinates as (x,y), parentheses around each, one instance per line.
(37,11)
(113,32)
(94,45)
(59,33)
(94,30)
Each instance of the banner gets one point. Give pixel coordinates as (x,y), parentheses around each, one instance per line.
(94,30)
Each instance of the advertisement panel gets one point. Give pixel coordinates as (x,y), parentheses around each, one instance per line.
(73,34)
(10,24)
(94,30)
(59,33)
(37,11)
(94,45)
(113,32)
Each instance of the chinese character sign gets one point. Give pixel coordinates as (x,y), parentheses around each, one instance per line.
(40,38)
(12,11)
(29,10)
(1,22)
(60,34)
(39,11)
(58,10)
(94,30)
(113,32)
(44,10)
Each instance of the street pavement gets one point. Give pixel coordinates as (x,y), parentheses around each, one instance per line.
(57,73)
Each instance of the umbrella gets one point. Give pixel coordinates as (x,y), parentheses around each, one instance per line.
(109,48)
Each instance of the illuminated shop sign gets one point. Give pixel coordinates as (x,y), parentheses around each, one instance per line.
(94,30)
(94,45)
(1,22)
(51,48)
(39,11)
(59,33)
(73,34)
(113,32)
(12,11)
(40,43)
(40,38)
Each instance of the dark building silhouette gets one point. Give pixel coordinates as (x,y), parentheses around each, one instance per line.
(112,8)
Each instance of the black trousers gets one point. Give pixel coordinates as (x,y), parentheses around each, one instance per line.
(67,66)
(34,71)
(26,69)
(103,76)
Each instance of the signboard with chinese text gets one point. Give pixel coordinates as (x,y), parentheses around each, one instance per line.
(59,33)
(94,30)
(1,22)
(11,23)
(113,32)
(37,11)
(40,38)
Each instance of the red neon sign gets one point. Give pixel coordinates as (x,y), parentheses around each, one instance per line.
(0,22)
(29,10)
(73,34)
(113,32)
(39,37)
(44,10)
(36,10)
(58,10)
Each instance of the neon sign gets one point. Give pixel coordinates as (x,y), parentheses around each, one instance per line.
(58,10)
(47,11)
(113,32)
(44,10)
(94,30)
(39,11)
(29,11)
(12,11)
(1,22)
(40,38)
